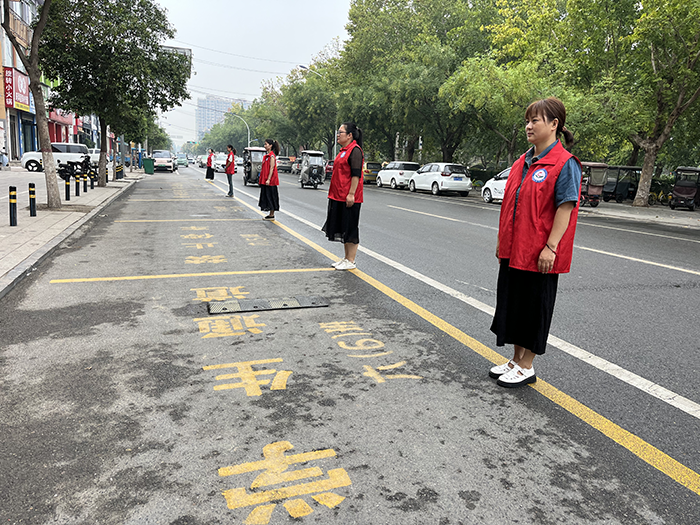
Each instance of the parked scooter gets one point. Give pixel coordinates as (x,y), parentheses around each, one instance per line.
(312,172)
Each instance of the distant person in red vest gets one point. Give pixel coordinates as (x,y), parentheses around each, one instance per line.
(230,168)
(345,195)
(269,180)
(210,165)
(535,240)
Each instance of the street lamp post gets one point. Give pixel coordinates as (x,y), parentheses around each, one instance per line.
(246,125)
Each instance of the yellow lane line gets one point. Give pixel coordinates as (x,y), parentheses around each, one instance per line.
(188,220)
(181,275)
(640,448)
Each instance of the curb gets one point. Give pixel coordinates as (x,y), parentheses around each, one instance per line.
(31,263)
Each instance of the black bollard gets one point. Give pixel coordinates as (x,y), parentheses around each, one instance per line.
(67,189)
(92,183)
(32,200)
(13,206)
(77,185)
(84,183)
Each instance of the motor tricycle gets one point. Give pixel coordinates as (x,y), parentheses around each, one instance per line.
(686,190)
(252,164)
(622,183)
(312,172)
(594,178)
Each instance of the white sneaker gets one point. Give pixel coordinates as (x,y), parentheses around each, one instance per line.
(336,263)
(517,377)
(345,265)
(498,371)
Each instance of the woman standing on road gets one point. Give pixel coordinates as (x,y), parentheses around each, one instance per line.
(345,195)
(269,180)
(230,168)
(210,165)
(535,240)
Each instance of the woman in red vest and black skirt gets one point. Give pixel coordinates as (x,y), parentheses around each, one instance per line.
(269,180)
(535,240)
(210,165)
(345,195)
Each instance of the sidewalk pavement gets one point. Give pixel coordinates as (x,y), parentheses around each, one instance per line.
(25,246)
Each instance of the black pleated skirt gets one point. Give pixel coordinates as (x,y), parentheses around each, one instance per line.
(210,173)
(269,198)
(524,307)
(342,223)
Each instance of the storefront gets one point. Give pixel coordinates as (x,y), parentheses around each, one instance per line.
(19,104)
(60,125)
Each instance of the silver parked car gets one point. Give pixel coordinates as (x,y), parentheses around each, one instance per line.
(438,177)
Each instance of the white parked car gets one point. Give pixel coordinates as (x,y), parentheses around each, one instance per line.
(396,174)
(163,160)
(438,177)
(219,163)
(494,188)
(62,153)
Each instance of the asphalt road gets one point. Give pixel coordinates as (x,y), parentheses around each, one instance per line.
(116,407)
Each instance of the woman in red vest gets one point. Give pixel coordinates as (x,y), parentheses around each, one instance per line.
(345,195)
(210,165)
(535,240)
(230,168)
(269,180)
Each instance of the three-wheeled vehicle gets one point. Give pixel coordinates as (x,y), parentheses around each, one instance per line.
(312,172)
(686,190)
(594,178)
(622,183)
(252,164)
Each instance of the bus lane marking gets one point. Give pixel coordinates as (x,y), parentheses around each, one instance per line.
(249,377)
(275,472)
(637,446)
(351,328)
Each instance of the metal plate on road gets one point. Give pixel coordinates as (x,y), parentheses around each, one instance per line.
(258,305)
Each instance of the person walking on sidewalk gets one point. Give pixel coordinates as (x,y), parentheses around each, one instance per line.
(269,180)
(210,165)
(535,240)
(230,168)
(345,195)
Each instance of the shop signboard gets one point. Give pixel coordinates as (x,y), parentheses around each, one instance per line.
(17,94)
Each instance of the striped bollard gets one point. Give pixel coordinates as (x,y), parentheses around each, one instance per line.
(32,200)
(84,175)
(67,189)
(77,185)
(92,183)
(13,206)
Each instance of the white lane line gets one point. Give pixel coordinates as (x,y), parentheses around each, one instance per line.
(578,247)
(667,266)
(444,218)
(648,387)
(684,239)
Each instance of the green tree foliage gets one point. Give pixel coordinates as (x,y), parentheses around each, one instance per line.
(108,56)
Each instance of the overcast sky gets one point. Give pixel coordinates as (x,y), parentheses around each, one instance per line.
(236,45)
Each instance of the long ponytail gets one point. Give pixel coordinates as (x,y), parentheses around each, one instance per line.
(356,132)
(275,146)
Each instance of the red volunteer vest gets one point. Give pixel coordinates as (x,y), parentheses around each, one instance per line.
(231,169)
(210,158)
(341,178)
(265,169)
(523,230)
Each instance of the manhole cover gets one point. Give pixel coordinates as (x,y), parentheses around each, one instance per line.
(259,305)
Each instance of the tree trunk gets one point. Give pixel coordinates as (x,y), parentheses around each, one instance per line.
(651,150)
(102,164)
(53,196)
(634,157)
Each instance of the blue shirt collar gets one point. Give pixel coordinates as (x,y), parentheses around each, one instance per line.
(530,158)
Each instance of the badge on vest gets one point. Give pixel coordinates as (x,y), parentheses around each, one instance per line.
(342,154)
(539,175)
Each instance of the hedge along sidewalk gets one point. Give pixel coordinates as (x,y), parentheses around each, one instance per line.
(25,246)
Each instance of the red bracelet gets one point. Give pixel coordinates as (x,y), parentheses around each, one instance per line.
(550,248)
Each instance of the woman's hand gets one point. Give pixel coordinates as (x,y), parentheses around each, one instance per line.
(267,182)
(545,262)
(349,200)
